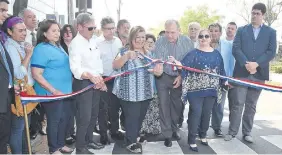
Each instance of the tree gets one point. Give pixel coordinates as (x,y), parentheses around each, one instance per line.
(273,9)
(202,15)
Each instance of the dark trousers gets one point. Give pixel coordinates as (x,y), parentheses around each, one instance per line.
(230,100)
(36,117)
(18,140)
(5,124)
(56,124)
(70,117)
(243,97)
(218,112)
(199,114)
(87,112)
(134,113)
(171,104)
(109,110)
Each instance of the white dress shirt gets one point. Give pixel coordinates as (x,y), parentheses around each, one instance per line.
(28,37)
(109,50)
(84,56)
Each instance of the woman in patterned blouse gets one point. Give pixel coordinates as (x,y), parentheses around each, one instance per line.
(201,90)
(136,89)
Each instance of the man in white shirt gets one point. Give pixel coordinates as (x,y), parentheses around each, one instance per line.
(30,22)
(109,45)
(87,68)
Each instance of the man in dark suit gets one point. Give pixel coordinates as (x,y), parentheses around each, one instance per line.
(7,94)
(253,48)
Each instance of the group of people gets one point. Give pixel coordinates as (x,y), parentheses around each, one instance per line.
(150,100)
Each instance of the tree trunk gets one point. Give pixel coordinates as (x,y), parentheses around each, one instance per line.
(18,6)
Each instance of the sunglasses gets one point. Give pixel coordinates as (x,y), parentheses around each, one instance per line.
(91,28)
(202,36)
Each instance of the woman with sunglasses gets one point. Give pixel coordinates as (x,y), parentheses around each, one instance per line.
(199,89)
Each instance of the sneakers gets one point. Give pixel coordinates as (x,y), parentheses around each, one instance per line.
(218,133)
(228,137)
(134,148)
(248,139)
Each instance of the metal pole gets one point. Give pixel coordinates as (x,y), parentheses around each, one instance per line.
(26,123)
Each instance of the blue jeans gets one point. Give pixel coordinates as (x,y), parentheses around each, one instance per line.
(56,124)
(18,141)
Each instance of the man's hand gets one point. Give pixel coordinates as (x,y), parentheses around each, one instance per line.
(104,88)
(177,82)
(252,67)
(98,81)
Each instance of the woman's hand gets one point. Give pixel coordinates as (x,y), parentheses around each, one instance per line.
(28,49)
(57,92)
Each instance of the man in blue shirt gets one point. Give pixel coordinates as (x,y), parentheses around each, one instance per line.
(7,94)
(253,48)
(225,49)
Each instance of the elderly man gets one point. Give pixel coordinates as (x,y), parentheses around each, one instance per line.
(87,68)
(193,32)
(123,27)
(225,49)
(30,22)
(231,31)
(7,94)
(253,48)
(109,45)
(169,84)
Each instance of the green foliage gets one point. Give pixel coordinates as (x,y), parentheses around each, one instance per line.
(202,15)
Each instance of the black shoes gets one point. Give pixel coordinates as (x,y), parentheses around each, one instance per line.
(117,136)
(194,148)
(104,140)
(70,140)
(135,148)
(95,146)
(176,135)
(33,134)
(83,151)
(168,142)
(218,133)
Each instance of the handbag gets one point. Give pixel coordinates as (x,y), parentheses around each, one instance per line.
(17,108)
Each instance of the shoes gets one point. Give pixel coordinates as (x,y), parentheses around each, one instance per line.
(135,148)
(218,133)
(176,135)
(204,141)
(142,139)
(73,136)
(193,147)
(95,146)
(83,151)
(70,141)
(228,137)
(168,142)
(66,150)
(104,139)
(117,136)
(248,139)
(43,130)
(33,135)
(179,125)
(57,152)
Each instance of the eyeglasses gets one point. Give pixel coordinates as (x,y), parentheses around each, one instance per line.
(256,13)
(91,28)
(202,36)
